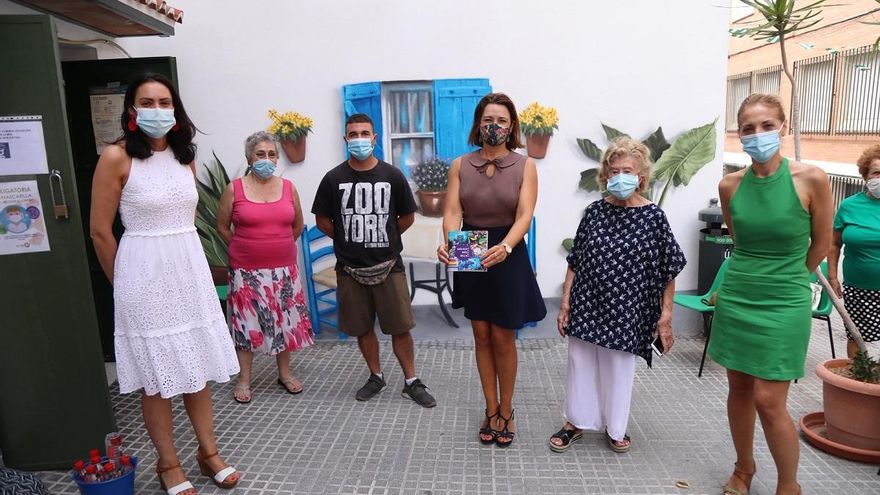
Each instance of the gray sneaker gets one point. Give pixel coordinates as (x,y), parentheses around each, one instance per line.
(374,385)
(418,392)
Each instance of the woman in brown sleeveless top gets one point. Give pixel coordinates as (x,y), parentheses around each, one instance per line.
(495,189)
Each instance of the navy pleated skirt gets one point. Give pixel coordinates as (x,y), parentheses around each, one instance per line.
(507,294)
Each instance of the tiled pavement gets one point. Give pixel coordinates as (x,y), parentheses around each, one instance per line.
(323,441)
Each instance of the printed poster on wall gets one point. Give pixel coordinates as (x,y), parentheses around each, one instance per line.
(22,146)
(106,103)
(22,224)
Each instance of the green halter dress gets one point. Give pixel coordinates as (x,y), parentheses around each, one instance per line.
(763,309)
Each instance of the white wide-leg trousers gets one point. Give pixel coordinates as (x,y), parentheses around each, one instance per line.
(599,387)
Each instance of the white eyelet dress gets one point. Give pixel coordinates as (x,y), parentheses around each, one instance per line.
(171,336)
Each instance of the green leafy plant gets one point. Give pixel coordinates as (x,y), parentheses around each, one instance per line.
(877,42)
(782,20)
(865,368)
(431,175)
(675,163)
(210,189)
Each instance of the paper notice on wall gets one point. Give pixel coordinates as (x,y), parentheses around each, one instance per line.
(107,104)
(22,145)
(22,223)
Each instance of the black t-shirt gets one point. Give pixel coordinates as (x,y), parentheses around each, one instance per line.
(364,207)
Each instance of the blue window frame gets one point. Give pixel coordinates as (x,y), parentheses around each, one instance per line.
(417,119)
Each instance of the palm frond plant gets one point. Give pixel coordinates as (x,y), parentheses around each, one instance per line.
(782,20)
(675,163)
(210,187)
(877,41)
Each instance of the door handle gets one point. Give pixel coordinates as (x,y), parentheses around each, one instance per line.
(55,183)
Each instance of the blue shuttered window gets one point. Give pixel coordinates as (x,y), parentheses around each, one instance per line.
(365,98)
(453,100)
(454,104)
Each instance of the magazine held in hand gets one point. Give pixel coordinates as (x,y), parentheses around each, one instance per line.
(466,248)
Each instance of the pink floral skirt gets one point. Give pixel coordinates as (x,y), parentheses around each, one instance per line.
(268,311)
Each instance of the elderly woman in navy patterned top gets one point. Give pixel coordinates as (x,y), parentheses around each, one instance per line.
(617,296)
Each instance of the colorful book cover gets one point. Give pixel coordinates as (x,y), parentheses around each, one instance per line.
(465,249)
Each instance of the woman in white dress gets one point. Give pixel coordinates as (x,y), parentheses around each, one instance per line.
(170,333)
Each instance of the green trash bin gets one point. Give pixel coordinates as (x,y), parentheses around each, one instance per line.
(716,244)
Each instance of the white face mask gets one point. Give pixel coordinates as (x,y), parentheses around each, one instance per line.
(873,186)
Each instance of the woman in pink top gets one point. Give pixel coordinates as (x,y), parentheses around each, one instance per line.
(260,217)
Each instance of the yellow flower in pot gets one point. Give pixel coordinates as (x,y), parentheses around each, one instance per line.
(538,123)
(291,128)
(431,177)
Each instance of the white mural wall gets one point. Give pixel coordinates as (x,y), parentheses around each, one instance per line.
(631,64)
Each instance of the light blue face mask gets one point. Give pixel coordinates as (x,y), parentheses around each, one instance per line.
(360,148)
(761,146)
(155,122)
(621,186)
(264,168)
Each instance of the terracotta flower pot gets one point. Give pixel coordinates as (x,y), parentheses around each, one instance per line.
(294,149)
(431,203)
(851,408)
(537,145)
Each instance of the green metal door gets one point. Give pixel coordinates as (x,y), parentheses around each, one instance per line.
(54,404)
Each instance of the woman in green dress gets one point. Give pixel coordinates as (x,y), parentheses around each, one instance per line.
(780,214)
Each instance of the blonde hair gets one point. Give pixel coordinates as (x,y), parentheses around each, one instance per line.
(770,101)
(626,146)
(867,158)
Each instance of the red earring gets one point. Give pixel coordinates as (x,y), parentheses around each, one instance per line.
(132,125)
(176,127)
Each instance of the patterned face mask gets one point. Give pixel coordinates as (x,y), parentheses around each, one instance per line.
(493,134)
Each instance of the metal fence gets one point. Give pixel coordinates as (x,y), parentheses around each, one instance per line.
(740,86)
(839,92)
(843,186)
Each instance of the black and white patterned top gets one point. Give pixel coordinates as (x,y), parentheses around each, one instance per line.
(623,258)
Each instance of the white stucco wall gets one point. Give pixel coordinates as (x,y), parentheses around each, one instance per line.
(632,64)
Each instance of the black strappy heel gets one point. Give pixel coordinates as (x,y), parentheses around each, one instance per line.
(488,430)
(505,431)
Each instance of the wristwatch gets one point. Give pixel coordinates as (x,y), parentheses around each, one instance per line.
(506,247)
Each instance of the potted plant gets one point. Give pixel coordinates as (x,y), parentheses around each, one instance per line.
(291,129)
(850,398)
(431,177)
(538,123)
(210,189)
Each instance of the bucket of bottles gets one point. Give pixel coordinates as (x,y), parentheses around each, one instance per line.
(122,485)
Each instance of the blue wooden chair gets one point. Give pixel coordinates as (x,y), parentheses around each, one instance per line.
(322,303)
(531,248)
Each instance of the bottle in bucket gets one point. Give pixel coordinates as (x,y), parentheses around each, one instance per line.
(91,475)
(113,444)
(124,464)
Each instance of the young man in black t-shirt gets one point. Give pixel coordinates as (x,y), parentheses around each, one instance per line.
(364,205)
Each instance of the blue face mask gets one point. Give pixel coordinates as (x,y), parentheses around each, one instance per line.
(264,168)
(360,148)
(155,122)
(762,146)
(621,186)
